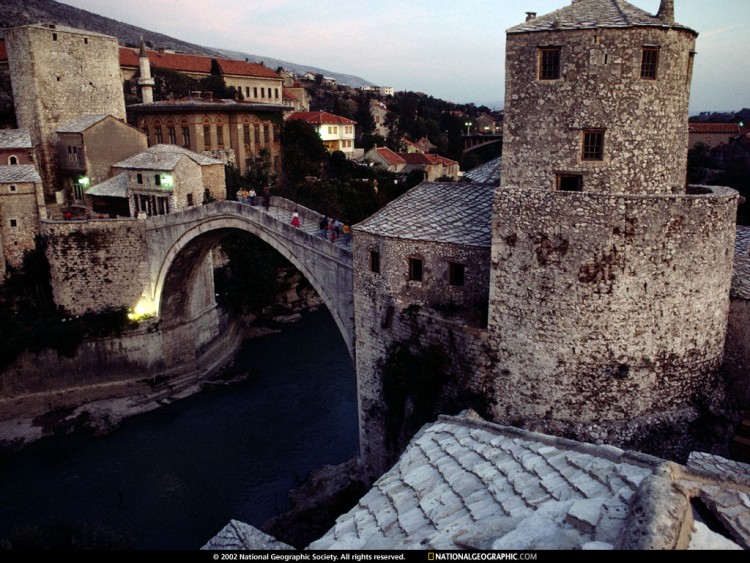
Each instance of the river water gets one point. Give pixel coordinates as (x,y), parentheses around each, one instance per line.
(171,479)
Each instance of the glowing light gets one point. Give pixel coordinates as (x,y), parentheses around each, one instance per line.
(143,310)
(167,181)
(84,181)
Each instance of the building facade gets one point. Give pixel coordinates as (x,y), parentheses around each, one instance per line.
(251,131)
(59,73)
(336,132)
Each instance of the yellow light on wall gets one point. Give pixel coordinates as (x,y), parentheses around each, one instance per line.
(143,310)
(167,181)
(84,181)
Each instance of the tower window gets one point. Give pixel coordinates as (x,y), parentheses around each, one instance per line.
(12,160)
(415,269)
(11,188)
(549,63)
(593,145)
(14,223)
(649,63)
(570,182)
(139,178)
(54,37)
(375,261)
(456,273)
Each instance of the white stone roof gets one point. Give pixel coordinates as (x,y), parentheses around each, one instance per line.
(451,212)
(81,123)
(592,14)
(240,536)
(19,173)
(464,484)
(487,173)
(116,186)
(15,139)
(164,158)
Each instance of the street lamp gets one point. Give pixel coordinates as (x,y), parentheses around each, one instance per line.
(468,125)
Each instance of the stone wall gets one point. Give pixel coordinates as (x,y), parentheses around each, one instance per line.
(107,143)
(600,88)
(97,264)
(59,74)
(19,213)
(608,308)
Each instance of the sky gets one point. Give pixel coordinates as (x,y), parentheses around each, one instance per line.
(445,48)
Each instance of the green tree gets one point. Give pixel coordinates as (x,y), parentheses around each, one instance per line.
(302,149)
(170,84)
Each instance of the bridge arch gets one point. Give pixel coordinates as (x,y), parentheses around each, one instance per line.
(178,247)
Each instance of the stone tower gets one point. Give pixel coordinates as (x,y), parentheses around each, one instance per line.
(58,74)
(610,281)
(145,82)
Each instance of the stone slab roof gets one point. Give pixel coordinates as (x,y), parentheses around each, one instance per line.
(15,139)
(463,483)
(450,212)
(240,536)
(593,14)
(164,157)
(81,123)
(487,173)
(19,173)
(114,187)
(192,103)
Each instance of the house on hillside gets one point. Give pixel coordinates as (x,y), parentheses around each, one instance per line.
(712,134)
(385,158)
(16,147)
(336,132)
(379,112)
(255,82)
(158,181)
(88,146)
(488,125)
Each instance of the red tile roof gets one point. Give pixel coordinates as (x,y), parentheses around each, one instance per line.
(389,156)
(729,128)
(321,118)
(416,158)
(195,63)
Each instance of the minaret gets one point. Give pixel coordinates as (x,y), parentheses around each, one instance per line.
(145,82)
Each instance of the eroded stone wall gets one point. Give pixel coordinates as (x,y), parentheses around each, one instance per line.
(97,264)
(600,88)
(19,204)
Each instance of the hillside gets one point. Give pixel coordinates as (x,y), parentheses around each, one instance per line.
(22,12)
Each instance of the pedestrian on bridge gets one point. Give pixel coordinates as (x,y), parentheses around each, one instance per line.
(252,195)
(295,220)
(267,197)
(323,226)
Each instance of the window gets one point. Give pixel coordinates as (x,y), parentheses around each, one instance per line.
(157,179)
(650,63)
(85,40)
(14,223)
(570,182)
(276,93)
(255,92)
(375,261)
(262,92)
(54,37)
(276,137)
(148,138)
(139,178)
(12,160)
(220,135)
(190,200)
(266,136)
(246,134)
(593,145)
(456,273)
(247,91)
(549,63)
(257,134)
(206,137)
(171,135)
(73,155)
(158,135)
(186,137)
(11,188)
(415,269)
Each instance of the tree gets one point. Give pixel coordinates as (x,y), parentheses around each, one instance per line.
(170,84)
(302,149)
(365,121)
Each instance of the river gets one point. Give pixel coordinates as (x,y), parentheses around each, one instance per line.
(172,478)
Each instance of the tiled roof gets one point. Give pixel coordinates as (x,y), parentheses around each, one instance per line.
(321,118)
(195,63)
(487,173)
(19,173)
(114,187)
(289,95)
(240,536)
(592,14)
(474,485)
(163,157)
(389,156)
(729,128)
(15,139)
(416,158)
(441,212)
(463,483)
(81,123)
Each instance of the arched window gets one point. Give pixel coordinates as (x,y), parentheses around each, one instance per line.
(171,133)
(185,133)
(12,159)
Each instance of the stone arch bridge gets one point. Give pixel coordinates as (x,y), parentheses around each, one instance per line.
(179,243)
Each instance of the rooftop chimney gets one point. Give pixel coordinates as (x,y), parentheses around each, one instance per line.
(530,16)
(666,11)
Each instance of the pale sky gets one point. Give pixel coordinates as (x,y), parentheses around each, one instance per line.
(445,48)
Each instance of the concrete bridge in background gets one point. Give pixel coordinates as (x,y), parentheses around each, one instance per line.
(179,243)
